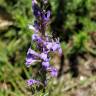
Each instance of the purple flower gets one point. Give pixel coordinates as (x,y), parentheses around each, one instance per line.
(30,61)
(32,57)
(49,45)
(46,64)
(44,56)
(46,16)
(32,82)
(55,46)
(34,37)
(37,38)
(30,51)
(53,71)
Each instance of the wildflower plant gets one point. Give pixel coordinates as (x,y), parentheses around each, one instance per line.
(44,43)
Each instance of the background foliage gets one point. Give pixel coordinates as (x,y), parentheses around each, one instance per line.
(74,22)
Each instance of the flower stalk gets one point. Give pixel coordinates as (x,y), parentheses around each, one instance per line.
(44,43)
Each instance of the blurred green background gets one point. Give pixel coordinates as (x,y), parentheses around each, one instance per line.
(74,22)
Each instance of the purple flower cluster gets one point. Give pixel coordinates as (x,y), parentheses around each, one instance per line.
(44,42)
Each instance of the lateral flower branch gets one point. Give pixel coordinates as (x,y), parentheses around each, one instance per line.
(44,43)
